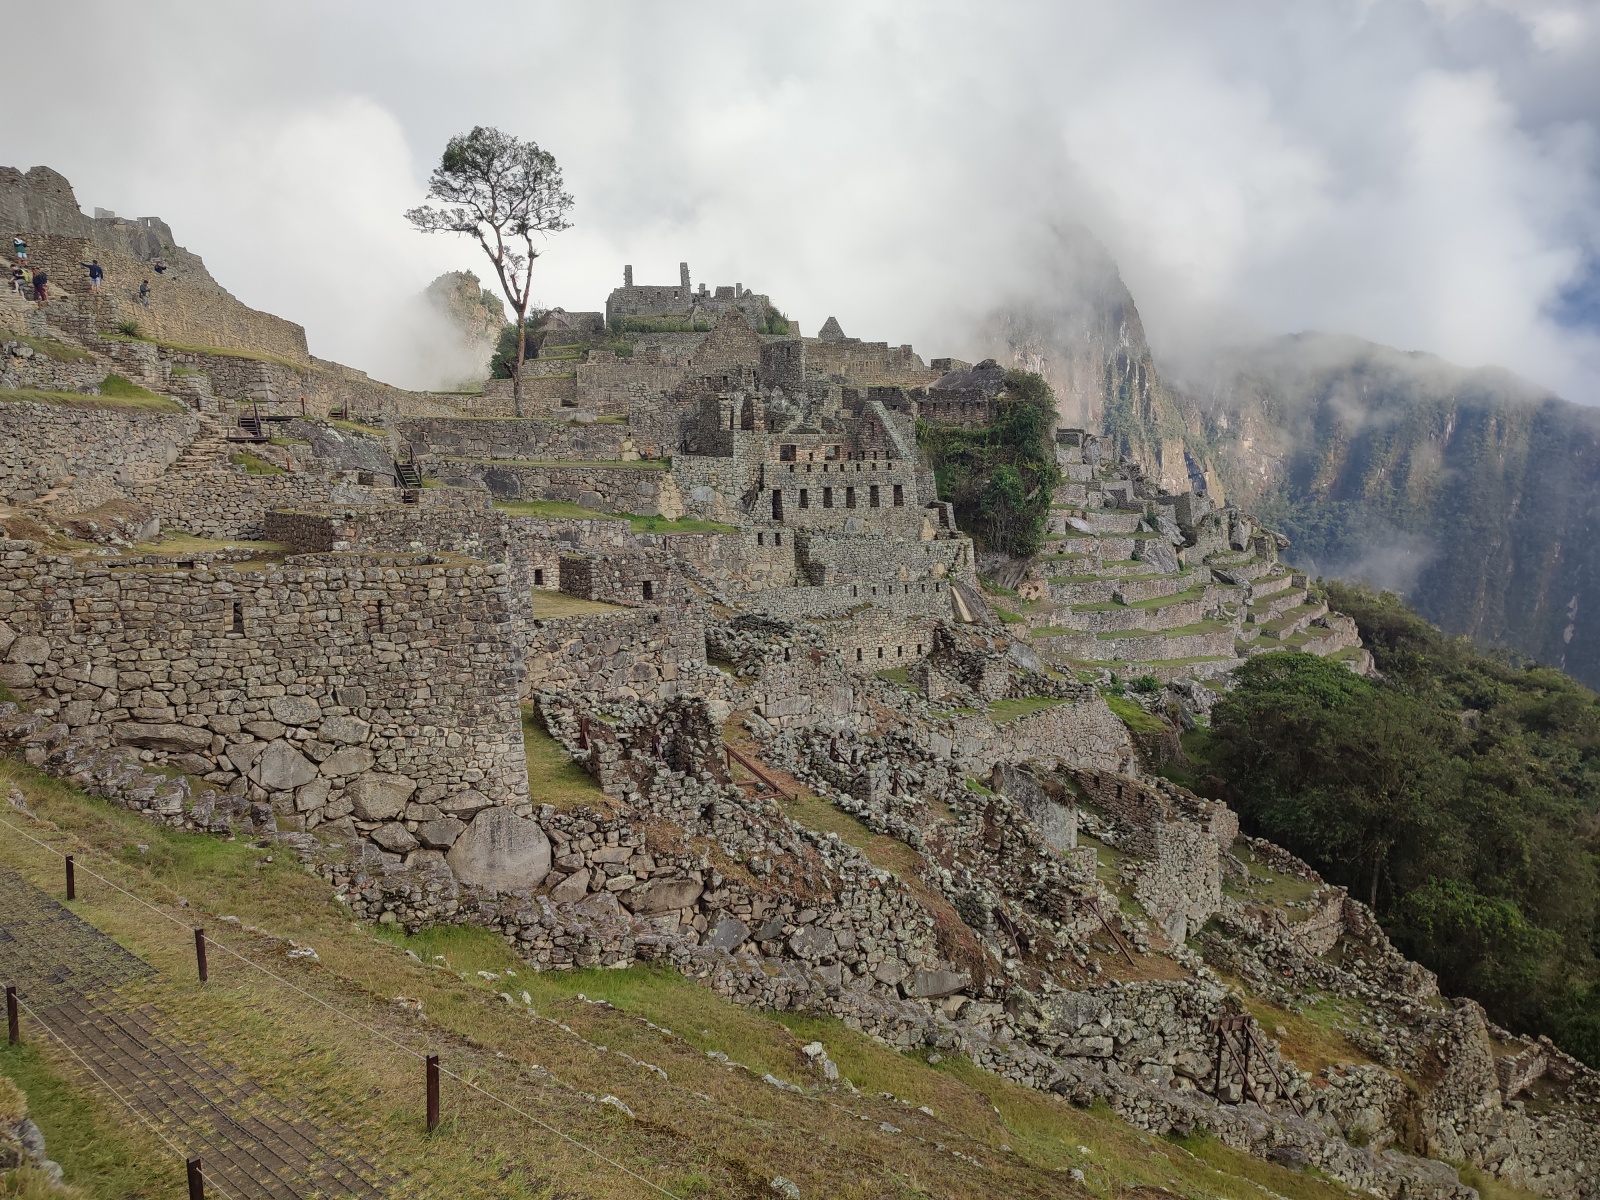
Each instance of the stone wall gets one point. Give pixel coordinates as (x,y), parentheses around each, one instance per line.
(529,438)
(44,445)
(605,487)
(230,503)
(622,654)
(333,688)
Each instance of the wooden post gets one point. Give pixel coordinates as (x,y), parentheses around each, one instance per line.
(72,879)
(197,1181)
(433,1092)
(1216,1083)
(13,1024)
(200,952)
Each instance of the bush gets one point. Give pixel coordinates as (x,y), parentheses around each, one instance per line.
(130,329)
(1001,476)
(1146,684)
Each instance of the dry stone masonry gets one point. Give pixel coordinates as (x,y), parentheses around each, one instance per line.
(277,599)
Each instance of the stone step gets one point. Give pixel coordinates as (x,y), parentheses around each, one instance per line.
(1212,639)
(1123,618)
(1269,585)
(1292,622)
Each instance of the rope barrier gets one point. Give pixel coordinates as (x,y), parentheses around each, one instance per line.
(377,1033)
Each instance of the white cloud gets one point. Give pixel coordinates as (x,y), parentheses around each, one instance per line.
(1420,172)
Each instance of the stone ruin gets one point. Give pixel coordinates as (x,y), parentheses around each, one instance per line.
(715,572)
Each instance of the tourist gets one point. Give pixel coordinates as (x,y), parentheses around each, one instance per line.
(144,292)
(40,282)
(19,278)
(161,267)
(20,248)
(97,274)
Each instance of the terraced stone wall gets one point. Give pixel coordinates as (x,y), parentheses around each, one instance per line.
(331,687)
(626,653)
(529,438)
(44,445)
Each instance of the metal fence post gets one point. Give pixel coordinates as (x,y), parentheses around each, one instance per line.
(433,1092)
(200,952)
(72,879)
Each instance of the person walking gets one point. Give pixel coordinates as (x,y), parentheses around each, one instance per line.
(41,281)
(19,278)
(144,292)
(97,274)
(19,248)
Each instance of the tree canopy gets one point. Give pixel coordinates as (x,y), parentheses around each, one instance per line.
(1458,793)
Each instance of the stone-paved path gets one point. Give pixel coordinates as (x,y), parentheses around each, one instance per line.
(252,1144)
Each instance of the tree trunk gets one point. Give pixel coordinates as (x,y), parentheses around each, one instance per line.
(1377,870)
(516,364)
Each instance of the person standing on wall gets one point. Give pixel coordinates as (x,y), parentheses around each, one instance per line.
(19,278)
(144,292)
(19,248)
(40,282)
(97,274)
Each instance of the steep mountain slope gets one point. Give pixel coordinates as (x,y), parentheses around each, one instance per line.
(1081,330)
(1471,491)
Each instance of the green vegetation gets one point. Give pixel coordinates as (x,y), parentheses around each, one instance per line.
(357,427)
(657,325)
(681,525)
(553,778)
(140,399)
(50,348)
(130,329)
(1001,711)
(1134,717)
(254,465)
(1000,476)
(125,389)
(1007,616)
(1459,795)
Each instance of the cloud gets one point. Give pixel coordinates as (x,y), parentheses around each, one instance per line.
(1418,172)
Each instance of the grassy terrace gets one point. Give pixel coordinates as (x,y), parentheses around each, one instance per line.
(357,427)
(1002,711)
(553,778)
(180,545)
(1131,715)
(253,355)
(49,347)
(1155,602)
(1180,631)
(131,397)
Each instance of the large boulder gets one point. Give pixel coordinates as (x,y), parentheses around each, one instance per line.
(929,985)
(30,649)
(501,850)
(662,895)
(176,739)
(350,760)
(282,768)
(295,710)
(379,797)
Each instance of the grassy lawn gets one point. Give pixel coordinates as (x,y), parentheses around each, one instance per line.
(554,510)
(142,401)
(179,544)
(357,427)
(1001,711)
(553,778)
(706,1129)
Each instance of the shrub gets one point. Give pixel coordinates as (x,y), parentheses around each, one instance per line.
(130,328)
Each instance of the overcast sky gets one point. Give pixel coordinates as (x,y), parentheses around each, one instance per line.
(1425,173)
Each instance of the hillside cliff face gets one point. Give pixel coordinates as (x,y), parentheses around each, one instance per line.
(1472,492)
(1083,333)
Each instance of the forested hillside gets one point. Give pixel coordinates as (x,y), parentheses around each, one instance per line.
(1458,794)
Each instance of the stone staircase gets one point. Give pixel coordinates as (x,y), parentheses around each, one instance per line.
(208,451)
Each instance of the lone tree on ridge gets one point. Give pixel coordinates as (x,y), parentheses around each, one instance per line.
(498,188)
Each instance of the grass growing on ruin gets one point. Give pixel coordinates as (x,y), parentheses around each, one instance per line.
(371,431)
(553,778)
(148,402)
(681,525)
(179,544)
(706,1129)
(253,465)
(52,349)
(220,351)
(554,510)
(1001,711)
(1131,715)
